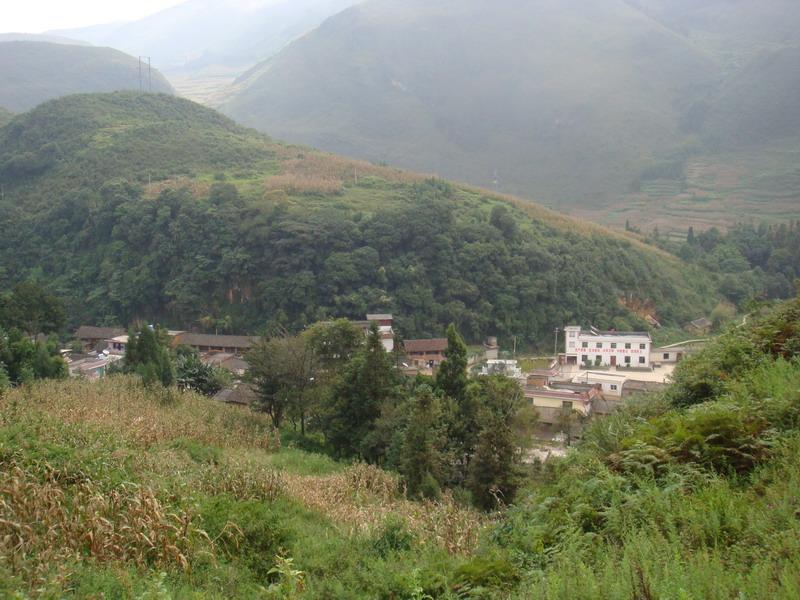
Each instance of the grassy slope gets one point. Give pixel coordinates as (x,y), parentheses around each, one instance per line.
(552,100)
(89,470)
(658,502)
(33,72)
(87,141)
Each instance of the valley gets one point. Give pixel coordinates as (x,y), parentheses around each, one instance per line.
(400,300)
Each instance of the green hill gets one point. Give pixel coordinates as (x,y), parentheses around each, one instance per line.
(5,116)
(33,72)
(139,206)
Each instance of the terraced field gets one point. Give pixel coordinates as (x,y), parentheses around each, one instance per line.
(719,190)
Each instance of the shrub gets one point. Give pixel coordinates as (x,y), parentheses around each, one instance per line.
(394,536)
(247,531)
(486,572)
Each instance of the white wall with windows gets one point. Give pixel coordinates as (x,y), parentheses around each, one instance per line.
(607,348)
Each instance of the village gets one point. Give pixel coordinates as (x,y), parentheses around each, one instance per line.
(594,373)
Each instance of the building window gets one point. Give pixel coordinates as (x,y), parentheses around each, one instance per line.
(566,406)
(627,346)
(613,387)
(666,355)
(642,346)
(585,344)
(614,345)
(572,334)
(642,360)
(599,344)
(585,359)
(627,360)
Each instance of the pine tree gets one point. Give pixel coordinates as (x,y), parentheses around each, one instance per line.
(147,354)
(355,404)
(421,458)
(452,376)
(493,471)
(493,478)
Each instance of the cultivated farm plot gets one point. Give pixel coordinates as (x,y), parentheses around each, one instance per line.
(718,191)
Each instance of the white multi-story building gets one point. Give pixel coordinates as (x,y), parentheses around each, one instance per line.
(607,348)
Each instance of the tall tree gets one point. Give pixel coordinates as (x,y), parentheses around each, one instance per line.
(356,400)
(424,440)
(494,470)
(335,343)
(147,354)
(24,360)
(452,375)
(283,369)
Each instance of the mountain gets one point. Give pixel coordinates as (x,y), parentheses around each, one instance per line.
(199,33)
(612,110)
(33,72)
(562,100)
(733,30)
(36,37)
(203,45)
(759,103)
(139,206)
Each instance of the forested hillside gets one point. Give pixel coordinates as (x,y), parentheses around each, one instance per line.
(148,206)
(33,72)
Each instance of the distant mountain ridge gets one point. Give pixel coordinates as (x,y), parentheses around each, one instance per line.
(33,72)
(533,97)
(36,37)
(202,33)
(621,110)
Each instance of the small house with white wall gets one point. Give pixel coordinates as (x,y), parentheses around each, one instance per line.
(553,404)
(611,384)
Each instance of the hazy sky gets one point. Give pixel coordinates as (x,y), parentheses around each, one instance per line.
(36,16)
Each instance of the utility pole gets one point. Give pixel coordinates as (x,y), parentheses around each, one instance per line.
(515,346)
(555,345)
